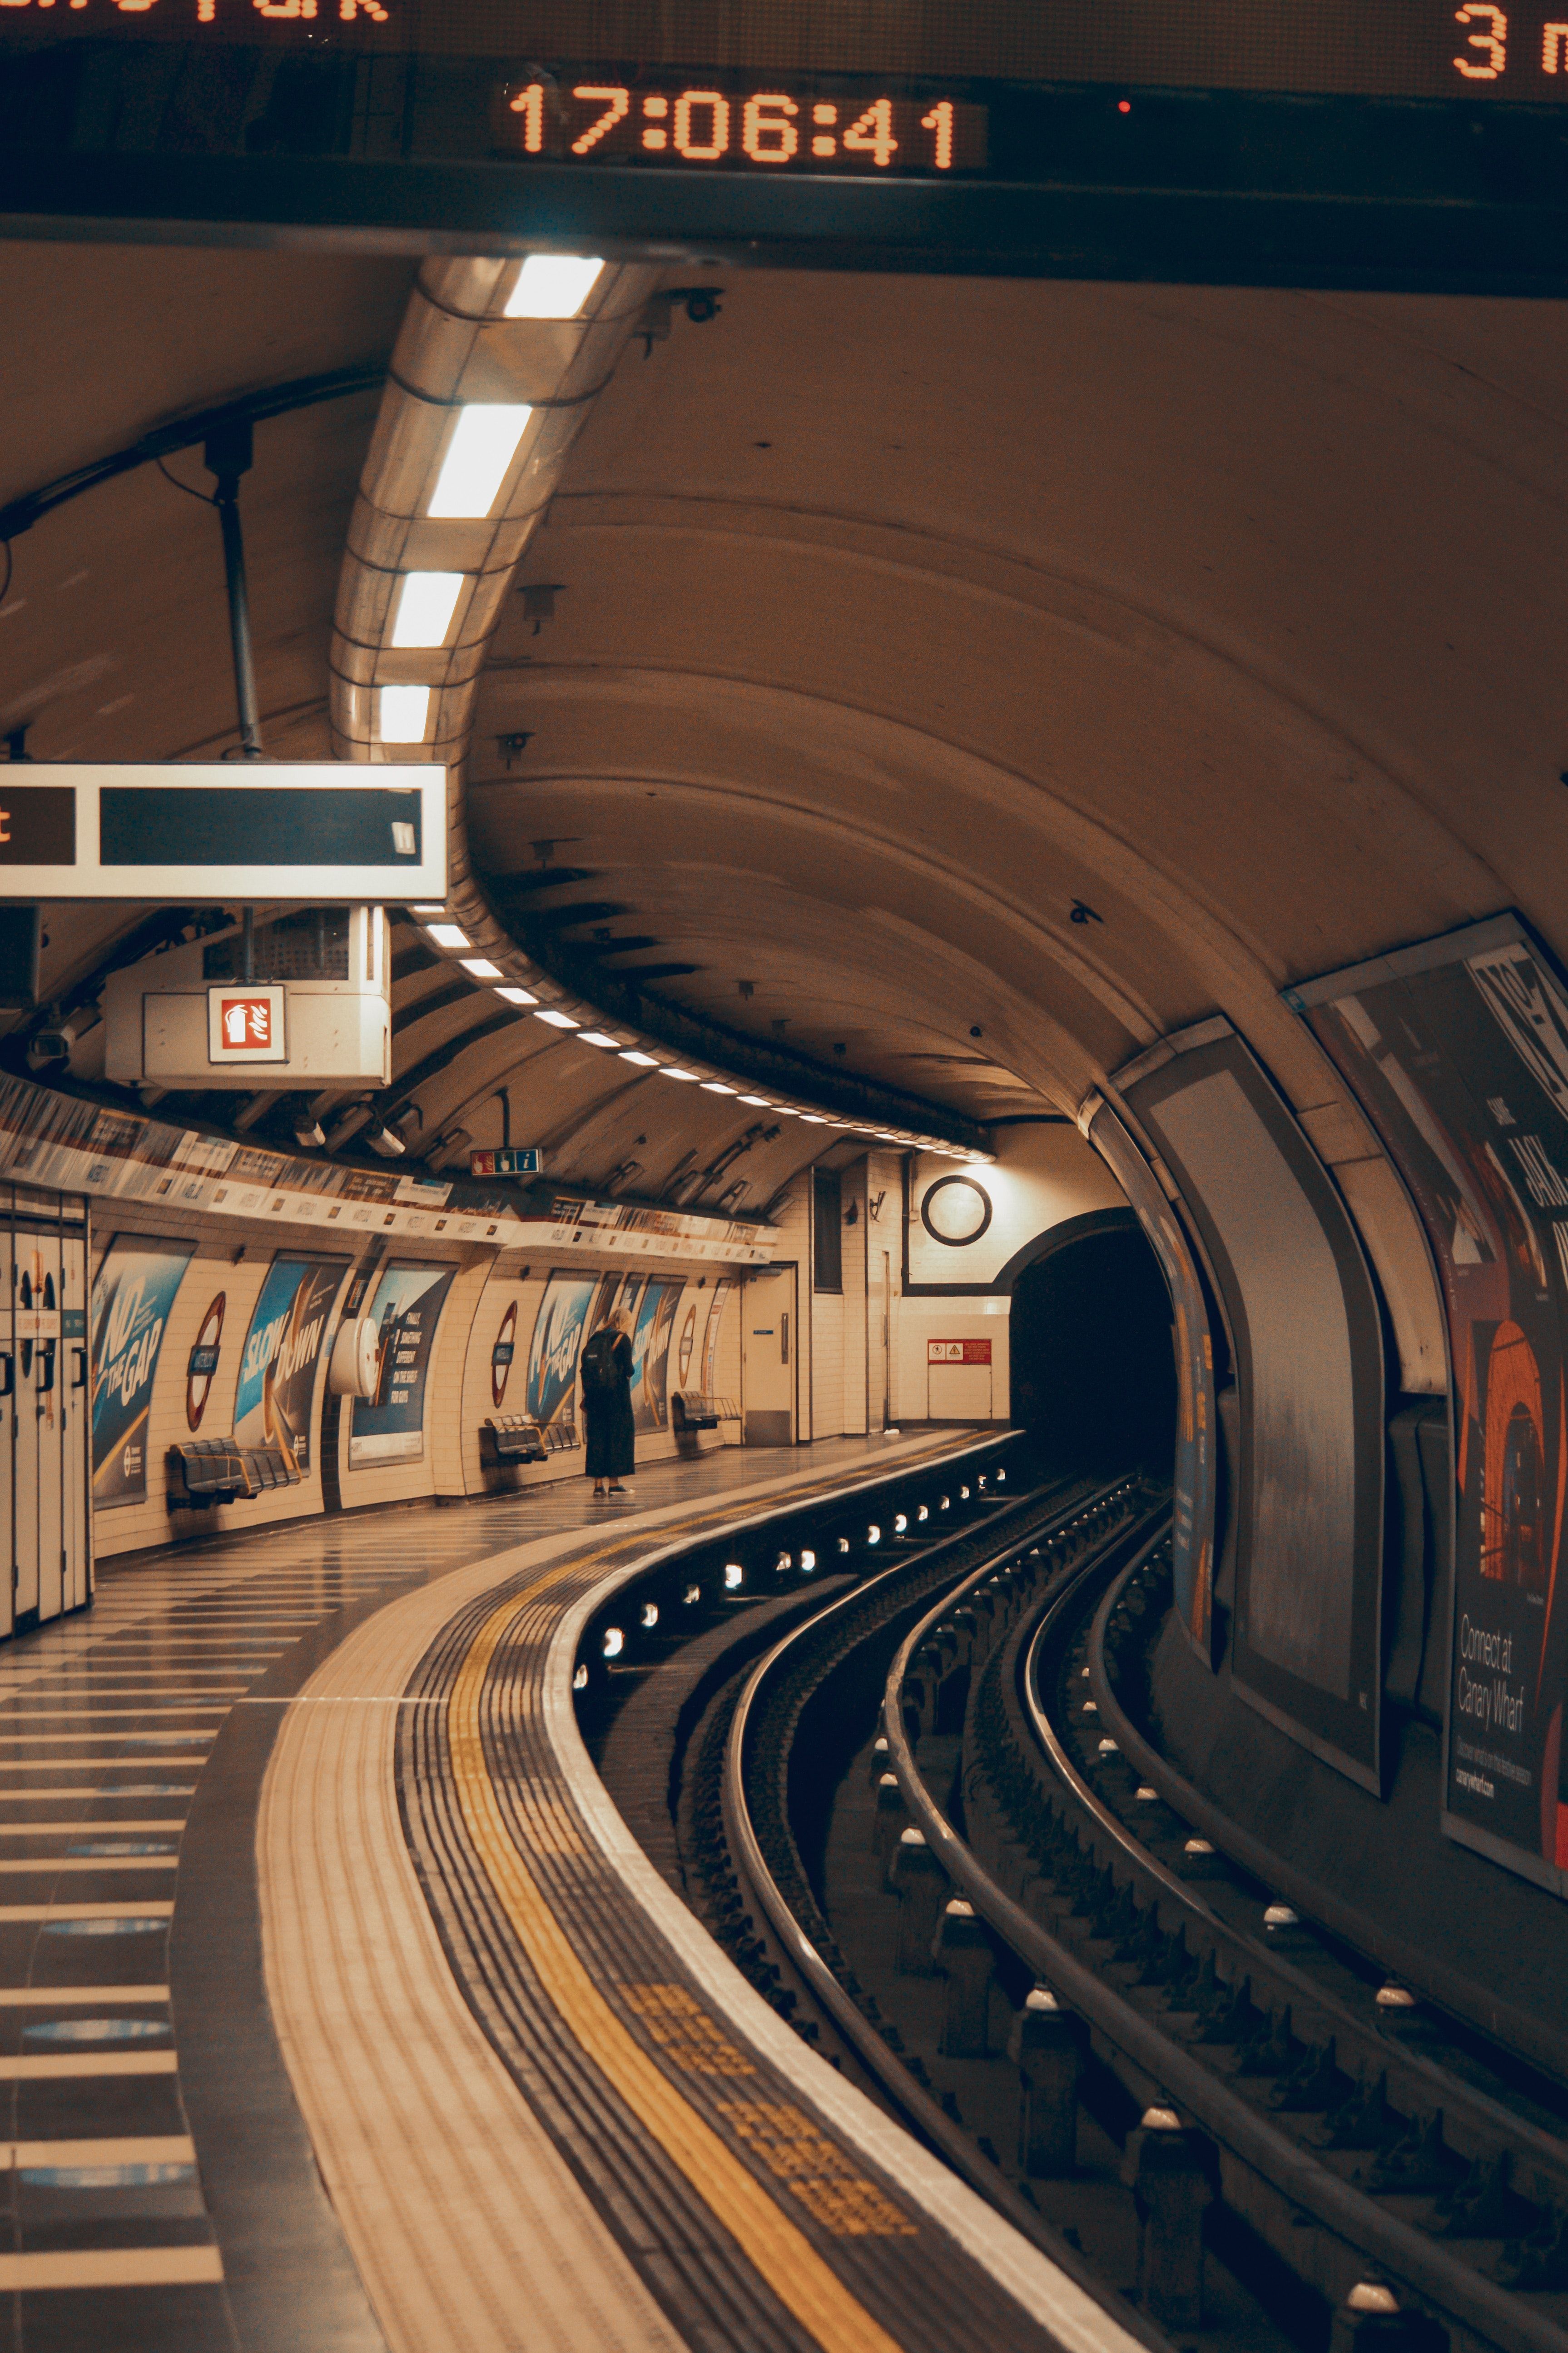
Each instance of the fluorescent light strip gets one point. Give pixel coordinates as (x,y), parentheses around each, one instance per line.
(673,1071)
(448,935)
(480,454)
(716,1087)
(482,968)
(517,996)
(553,286)
(599,1037)
(644,1062)
(556,1020)
(426,604)
(405,714)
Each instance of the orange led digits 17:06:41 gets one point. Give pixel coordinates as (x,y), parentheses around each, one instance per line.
(771,128)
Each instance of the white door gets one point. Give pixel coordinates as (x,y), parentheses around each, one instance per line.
(48,1369)
(768,1352)
(25,1285)
(10,1368)
(75,1417)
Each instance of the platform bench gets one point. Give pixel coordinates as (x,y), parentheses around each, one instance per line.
(693,1409)
(205,1471)
(511,1438)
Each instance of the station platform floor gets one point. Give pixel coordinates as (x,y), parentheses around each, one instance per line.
(338,2013)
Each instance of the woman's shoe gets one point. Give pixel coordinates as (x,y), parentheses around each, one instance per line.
(617,1489)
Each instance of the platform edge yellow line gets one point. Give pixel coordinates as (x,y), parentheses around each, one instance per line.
(778,2249)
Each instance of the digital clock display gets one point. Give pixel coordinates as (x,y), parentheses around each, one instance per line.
(783,128)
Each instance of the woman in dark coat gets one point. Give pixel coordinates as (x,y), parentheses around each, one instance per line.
(611,1434)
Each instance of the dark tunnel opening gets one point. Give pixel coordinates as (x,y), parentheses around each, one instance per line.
(1093,1370)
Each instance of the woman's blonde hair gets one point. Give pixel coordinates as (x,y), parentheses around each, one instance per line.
(619,1320)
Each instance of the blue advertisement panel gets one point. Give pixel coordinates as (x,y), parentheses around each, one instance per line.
(650,1354)
(132,1296)
(282,1351)
(407,1307)
(560,1328)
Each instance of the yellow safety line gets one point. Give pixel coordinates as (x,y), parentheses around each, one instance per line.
(799,2277)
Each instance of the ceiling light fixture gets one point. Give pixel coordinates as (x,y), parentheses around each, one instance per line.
(634,1054)
(761,1102)
(426,604)
(556,1020)
(482,968)
(405,714)
(517,995)
(428,910)
(448,935)
(599,1037)
(553,286)
(479,458)
(673,1071)
(717,1087)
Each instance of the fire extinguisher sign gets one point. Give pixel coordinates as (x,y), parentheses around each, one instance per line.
(246,1023)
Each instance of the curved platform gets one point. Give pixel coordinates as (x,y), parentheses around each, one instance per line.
(453,2068)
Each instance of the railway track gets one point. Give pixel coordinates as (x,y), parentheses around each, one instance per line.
(1073,1990)
(1360,2145)
(918,1806)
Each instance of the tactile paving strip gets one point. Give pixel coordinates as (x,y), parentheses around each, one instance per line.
(738,2202)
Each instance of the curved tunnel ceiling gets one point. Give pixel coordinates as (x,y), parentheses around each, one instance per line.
(963,682)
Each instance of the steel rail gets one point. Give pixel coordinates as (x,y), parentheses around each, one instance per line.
(1456,2094)
(1489,2311)
(914,2105)
(1504,2023)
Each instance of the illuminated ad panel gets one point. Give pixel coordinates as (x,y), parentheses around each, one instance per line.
(1308,1366)
(132,1294)
(1459,1052)
(1192,1495)
(570,1311)
(277,1386)
(651,1336)
(406,1309)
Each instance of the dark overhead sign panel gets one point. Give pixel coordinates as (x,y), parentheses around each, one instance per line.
(306,833)
(1333,141)
(771,58)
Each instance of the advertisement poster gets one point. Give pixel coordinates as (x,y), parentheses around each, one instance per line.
(560,1328)
(688,1341)
(710,1337)
(282,1350)
(405,1307)
(650,1353)
(1192,1490)
(132,1296)
(1306,1643)
(1459,1052)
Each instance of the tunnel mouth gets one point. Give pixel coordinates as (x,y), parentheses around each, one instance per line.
(1093,1365)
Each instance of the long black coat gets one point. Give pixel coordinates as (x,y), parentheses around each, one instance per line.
(609,1430)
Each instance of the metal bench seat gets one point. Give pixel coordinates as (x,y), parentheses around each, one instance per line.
(206,1472)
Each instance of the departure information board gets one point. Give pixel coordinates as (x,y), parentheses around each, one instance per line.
(767,63)
(1397,142)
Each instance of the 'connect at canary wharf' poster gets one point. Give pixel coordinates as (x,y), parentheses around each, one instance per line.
(1458,1050)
